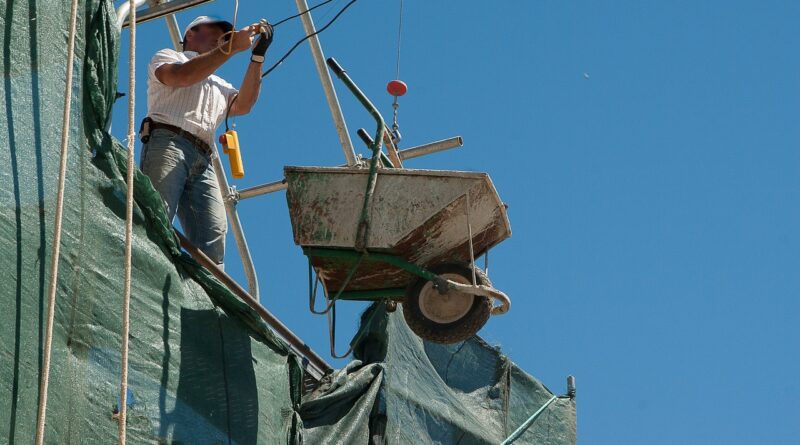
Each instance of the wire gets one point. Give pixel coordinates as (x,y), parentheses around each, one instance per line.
(323,16)
(304,12)
(228,111)
(399,36)
(266,73)
(395,104)
(279,22)
(299,42)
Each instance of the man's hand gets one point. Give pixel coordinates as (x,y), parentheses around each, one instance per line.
(242,39)
(264,40)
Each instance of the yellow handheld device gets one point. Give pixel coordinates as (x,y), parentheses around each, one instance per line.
(230,146)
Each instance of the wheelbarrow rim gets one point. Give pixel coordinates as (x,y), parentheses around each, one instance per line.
(446,307)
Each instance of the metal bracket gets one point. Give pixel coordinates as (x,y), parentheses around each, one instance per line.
(233,196)
(441,285)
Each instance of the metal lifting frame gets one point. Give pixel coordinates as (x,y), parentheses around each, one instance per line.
(231,197)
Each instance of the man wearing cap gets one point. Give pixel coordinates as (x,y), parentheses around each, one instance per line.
(186,103)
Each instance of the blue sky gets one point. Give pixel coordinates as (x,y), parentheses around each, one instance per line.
(654,204)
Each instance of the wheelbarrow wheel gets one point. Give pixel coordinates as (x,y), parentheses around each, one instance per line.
(450,317)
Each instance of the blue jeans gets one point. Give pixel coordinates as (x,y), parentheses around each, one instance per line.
(186,181)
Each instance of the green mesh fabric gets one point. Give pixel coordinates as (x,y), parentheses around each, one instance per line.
(401,389)
(204,368)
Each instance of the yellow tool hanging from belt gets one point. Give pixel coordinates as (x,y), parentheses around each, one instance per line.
(230,146)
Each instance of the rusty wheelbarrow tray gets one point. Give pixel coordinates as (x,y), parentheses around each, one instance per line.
(419,231)
(419,216)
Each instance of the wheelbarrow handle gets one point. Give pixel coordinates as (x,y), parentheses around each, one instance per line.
(484,291)
(363,99)
(362,232)
(334,65)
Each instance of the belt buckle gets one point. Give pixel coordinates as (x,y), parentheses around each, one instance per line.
(194,139)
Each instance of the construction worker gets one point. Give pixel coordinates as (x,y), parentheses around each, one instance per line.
(186,103)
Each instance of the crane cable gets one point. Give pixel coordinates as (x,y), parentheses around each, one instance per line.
(395,105)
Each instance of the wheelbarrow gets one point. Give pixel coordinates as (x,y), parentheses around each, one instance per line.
(401,236)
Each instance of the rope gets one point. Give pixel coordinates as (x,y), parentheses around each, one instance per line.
(126,296)
(471,249)
(233,30)
(56,253)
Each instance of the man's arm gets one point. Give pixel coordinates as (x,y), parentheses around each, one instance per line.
(186,74)
(251,85)
(248,93)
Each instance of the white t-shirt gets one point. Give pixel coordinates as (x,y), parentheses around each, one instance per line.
(198,109)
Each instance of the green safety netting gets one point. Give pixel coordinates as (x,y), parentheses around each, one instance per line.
(204,368)
(400,389)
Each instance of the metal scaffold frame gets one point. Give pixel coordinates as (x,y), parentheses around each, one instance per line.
(167,10)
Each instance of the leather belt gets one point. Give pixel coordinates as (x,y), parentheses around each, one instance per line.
(201,145)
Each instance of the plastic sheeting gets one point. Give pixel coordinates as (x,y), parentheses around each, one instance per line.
(204,369)
(403,390)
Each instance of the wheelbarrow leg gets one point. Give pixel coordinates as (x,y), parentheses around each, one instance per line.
(312,296)
(359,335)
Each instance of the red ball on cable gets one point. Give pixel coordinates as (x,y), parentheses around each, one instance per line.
(397,88)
